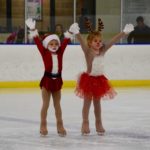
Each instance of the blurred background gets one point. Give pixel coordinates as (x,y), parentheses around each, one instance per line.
(48,13)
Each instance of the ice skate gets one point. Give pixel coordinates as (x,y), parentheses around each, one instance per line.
(60,129)
(99,128)
(43,129)
(101,133)
(85,128)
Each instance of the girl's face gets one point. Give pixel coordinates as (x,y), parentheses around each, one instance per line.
(53,46)
(96,44)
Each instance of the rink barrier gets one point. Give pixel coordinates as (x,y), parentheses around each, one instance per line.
(71,84)
(122,62)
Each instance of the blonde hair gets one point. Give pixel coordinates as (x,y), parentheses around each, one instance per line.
(92,35)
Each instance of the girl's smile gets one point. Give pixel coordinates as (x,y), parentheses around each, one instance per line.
(53,45)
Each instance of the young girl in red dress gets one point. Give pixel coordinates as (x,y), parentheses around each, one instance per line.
(51,50)
(92,84)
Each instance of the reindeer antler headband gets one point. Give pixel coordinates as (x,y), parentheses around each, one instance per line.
(100,25)
(88,25)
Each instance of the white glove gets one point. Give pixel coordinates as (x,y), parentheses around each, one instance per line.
(33,34)
(128,28)
(68,35)
(30,23)
(74,28)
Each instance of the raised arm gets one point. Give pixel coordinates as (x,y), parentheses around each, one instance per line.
(127,29)
(74,28)
(34,34)
(64,44)
(82,42)
(115,39)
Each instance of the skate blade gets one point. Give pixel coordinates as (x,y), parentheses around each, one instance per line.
(62,134)
(85,134)
(43,135)
(101,133)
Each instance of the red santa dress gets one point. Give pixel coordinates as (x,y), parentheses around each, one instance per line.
(52,79)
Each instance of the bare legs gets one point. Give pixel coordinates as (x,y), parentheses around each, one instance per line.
(58,113)
(98,117)
(45,106)
(85,115)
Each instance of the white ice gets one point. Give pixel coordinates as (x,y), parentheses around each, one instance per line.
(126,120)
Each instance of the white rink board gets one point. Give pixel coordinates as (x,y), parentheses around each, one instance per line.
(122,62)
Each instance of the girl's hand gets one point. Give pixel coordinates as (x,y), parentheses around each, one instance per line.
(74,28)
(30,23)
(128,28)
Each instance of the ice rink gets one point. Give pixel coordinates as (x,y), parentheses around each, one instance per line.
(126,120)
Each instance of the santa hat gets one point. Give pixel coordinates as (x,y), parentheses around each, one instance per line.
(50,38)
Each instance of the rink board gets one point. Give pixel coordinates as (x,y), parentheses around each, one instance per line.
(72,84)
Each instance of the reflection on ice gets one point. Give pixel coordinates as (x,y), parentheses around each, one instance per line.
(126,120)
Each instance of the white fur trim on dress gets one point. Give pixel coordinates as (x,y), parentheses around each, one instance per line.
(50,38)
(33,34)
(55,63)
(97,66)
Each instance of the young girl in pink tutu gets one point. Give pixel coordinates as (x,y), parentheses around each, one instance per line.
(92,84)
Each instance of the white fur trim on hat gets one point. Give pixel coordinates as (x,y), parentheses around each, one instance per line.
(50,38)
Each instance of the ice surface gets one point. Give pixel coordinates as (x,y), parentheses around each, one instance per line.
(126,120)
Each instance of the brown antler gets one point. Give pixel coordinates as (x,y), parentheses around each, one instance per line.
(100,25)
(88,24)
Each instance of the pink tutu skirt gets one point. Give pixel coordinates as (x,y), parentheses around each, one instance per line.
(94,87)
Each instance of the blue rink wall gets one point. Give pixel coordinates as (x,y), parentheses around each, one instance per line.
(125,65)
